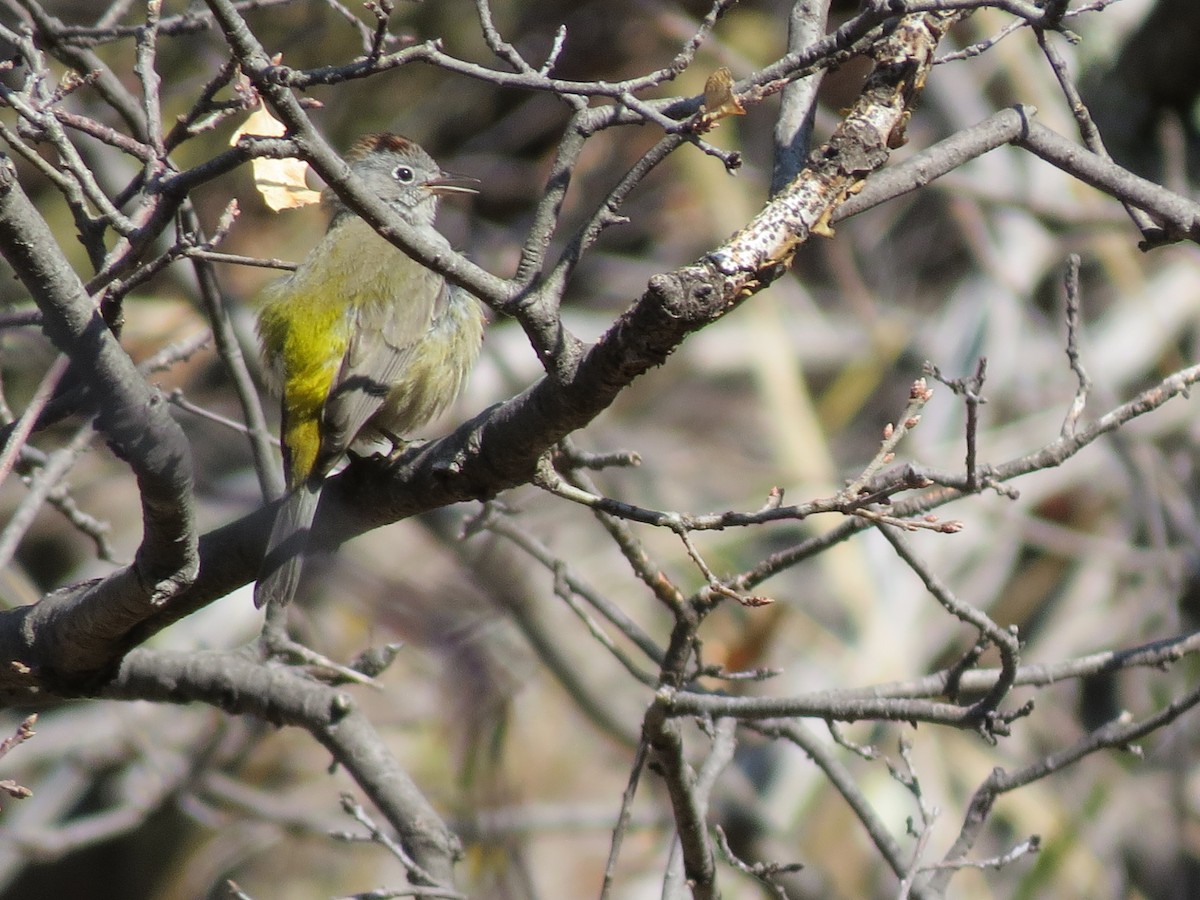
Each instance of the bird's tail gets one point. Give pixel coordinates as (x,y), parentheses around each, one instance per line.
(279,575)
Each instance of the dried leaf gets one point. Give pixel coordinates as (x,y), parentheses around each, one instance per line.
(281,182)
(719,99)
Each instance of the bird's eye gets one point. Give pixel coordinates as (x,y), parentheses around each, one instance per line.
(404,174)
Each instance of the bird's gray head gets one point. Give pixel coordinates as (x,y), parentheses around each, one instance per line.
(402,175)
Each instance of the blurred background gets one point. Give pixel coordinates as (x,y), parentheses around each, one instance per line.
(504,708)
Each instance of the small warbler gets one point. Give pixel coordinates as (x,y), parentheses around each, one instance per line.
(364,342)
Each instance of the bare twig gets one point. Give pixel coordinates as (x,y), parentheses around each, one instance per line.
(376,835)
(1073,301)
(624,818)
(24,425)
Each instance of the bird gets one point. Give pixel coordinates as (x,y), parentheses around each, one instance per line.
(362,341)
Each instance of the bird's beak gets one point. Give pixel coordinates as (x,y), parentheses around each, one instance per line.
(448,183)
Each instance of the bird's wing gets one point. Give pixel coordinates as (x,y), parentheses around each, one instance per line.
(375,359)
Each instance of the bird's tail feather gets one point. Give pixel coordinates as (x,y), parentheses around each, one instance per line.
(279,575)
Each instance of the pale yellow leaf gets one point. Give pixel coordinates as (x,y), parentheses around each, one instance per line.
(282,183)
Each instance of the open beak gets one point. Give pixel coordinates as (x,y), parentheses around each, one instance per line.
(447,183)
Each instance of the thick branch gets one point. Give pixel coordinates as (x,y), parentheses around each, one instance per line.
(239,684)
(1179,215)
(74,636)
